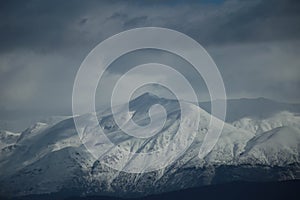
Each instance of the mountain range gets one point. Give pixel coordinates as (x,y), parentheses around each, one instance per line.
(260,142)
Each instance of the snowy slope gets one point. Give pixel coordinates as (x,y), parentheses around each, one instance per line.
(48,159)
(279,146)
(20,123)
(258,126)
(8,138)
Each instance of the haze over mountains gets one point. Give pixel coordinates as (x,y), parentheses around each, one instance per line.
(236,109)
(259,143)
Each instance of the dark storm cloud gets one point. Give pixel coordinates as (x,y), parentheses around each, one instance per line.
(28,24)
(51,25)
(243,21)
(136,22)
(266,21)
(42,44)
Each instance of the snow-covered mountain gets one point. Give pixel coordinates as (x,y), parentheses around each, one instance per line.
(51,158)
(20,123)
(280,119)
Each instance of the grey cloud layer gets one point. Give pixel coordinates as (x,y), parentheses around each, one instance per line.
(44,42)
(61,24)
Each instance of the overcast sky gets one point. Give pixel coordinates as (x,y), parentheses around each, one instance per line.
(255,44)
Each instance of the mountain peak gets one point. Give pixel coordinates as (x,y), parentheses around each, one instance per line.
(148,95)
(145,99)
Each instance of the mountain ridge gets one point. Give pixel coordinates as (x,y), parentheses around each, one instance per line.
(48,159)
